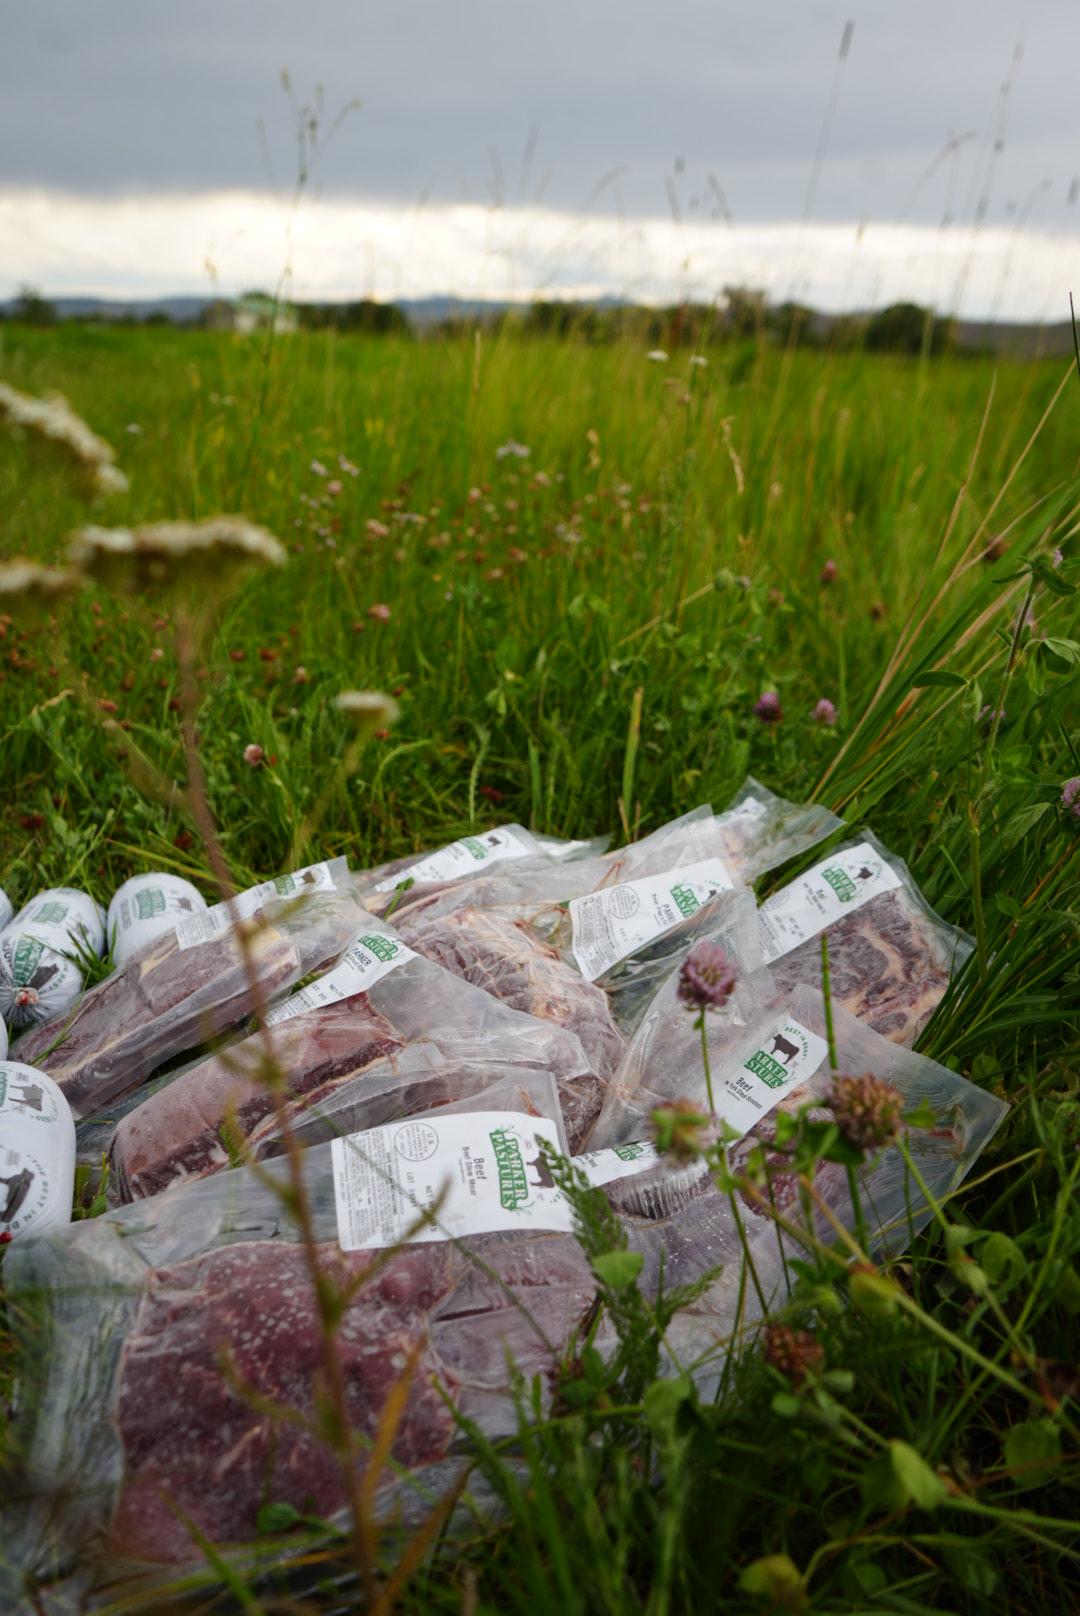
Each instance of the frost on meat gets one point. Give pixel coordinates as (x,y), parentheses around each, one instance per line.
(887,966)
(500,954)
(180,1132)
(243,1320)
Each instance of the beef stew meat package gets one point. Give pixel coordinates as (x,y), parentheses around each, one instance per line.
(194,983)
(155,1324)
(890,956)
(384,1032)
(420,875)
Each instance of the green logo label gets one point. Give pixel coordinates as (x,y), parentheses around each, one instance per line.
(685,899)
(52,914)
(476,848)
(150,902)
(284,884)
(841,883)
(513,1184)
(629,1152)
(28,952)
(770,1071)
(383,948)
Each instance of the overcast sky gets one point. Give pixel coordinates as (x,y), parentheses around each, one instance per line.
(689,126)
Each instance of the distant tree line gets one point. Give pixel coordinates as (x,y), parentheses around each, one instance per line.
(741,315)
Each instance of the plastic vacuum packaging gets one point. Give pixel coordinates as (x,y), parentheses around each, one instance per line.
(167,1333)
(147,907)
(757,832)
(386,1032)
(7,909)
(762,831)
(405,880)
(196,981)
(592,961)
(40,948)
(37,1152)
(890,956)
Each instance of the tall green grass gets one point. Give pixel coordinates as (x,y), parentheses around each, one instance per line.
(577,639)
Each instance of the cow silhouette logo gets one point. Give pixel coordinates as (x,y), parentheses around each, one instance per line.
(783,1046)
(543,1179)
(28,1094)
(775,1066)
(17,1188)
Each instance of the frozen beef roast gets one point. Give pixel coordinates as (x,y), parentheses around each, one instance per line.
(497,952)
(193,1443)
(183,1130)
(887,966)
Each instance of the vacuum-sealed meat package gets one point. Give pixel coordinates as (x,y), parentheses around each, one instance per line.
(420,875)
(761,831)
(6,909)
(890,956)
(385,1032)
(43,954)
(147,907)
(175,1352)
(202,977)
(592,961)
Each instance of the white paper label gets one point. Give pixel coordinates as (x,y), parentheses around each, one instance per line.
(366,961)
(610,924)
(220,919)
(486,1165)
(466,857)
(624,1161)
(838,885)
(783,1060)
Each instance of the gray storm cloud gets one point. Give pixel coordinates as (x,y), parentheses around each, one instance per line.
(142,96)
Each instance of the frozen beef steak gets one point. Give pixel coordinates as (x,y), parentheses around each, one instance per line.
(886,966)
(185,1129)
(166,1000)
(242,1320)
(497,952)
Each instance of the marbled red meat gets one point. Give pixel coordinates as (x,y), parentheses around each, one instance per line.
(886,966)
(166,1000)
(180,1132)
(499,953)
(243,1318)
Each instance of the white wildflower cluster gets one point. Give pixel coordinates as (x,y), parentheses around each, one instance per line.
(52,417)
(369,710)
(657,356)
(168,554)
(513,450)
(29,587)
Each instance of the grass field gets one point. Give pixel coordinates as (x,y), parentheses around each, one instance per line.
(577,638)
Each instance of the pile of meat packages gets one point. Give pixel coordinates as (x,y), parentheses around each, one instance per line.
(423,1041)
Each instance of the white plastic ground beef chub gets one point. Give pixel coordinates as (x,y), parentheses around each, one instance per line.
(37,1152)
(40,973)
(145,908)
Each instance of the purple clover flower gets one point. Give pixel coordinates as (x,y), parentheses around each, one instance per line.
(830,572)
(824,712)
(1070,796)
(768,708)
(707,978)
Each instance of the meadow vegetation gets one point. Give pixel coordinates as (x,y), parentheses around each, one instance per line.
(578,569)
